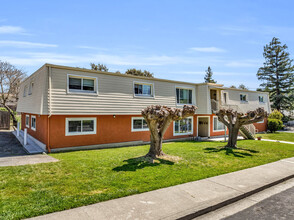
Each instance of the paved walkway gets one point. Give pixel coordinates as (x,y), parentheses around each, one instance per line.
(9,145)
(186,201)
(25,160)
(284,142)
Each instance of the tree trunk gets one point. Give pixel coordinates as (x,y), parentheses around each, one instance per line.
(11,114)
(155,146)
(233,135)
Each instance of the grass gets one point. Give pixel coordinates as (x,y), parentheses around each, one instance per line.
(86,177)
(281,136)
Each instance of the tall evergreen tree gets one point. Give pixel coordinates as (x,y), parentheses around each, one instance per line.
(277,74)
(208,76)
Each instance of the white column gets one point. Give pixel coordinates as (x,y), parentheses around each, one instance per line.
(25,136)
(17,131)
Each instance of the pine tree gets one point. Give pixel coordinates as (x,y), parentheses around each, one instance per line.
(277,74)
(208,76)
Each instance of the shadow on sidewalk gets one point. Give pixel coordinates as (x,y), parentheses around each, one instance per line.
(229,151)
(136,163)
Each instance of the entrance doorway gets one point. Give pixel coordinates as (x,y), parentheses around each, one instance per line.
(203,126)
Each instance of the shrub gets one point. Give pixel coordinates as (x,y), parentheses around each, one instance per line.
(276,115)
(274,124)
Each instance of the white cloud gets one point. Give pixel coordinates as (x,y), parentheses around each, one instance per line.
(12,30)
(244,63)
(34,58)
(208,49)
(24,44)
(91,48)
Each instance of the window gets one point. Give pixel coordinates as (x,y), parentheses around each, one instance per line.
(243,98)
(184,96)
(27,121)
(33,122)
(25,91)
(31,88)
(225,97)
(80,126)
(184,126)
(261,99)
(143,89)
(139,124)
(217,125)
(261,122)
(82,84)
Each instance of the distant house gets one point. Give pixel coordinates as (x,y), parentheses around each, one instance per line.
(11,104)
(65,107)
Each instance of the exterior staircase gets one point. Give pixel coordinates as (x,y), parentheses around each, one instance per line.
(247,131)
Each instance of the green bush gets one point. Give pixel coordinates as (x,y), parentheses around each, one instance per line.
(276,115)
(274,124)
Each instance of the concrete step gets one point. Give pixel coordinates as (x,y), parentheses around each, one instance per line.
(33,146)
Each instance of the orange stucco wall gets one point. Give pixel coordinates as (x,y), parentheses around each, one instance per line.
(41,127)
(261,126)
(108,130)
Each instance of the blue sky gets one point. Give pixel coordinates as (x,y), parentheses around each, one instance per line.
(173,39)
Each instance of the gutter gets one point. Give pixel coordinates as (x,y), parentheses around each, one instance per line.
(49,106)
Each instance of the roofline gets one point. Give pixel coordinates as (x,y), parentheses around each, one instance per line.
(219,86)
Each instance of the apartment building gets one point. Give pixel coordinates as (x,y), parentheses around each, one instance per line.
(64,107)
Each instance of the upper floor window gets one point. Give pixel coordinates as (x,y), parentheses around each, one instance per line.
(184,126)
(143,89)
(217,125)
(139,124)
(25,91)
(82,84)
(31,88)
(184,96)
(261,99)
(243,98)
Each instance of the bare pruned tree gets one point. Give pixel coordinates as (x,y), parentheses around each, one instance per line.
(234,120)
(158,119)
(10,78)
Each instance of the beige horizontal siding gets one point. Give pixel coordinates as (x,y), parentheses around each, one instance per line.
(252,98)
(115,95)
(203,99)
(37,102)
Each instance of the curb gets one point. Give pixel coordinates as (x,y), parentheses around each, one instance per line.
(232,200)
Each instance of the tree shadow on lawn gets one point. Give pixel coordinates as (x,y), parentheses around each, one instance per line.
(136,163)
(231,151)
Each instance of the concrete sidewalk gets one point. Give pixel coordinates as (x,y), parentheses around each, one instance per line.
(284,142)
(26,159)
(186,201)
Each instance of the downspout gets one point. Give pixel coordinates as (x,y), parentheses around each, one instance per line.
(49,106)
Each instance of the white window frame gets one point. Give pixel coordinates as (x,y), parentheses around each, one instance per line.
(33,128)
(144,96)
(30,91)
(80,133)
(223,97)
(260,122)
(187,133)
(246,98)
(217,122)
(25,90)
(262,98)
(187,88)
(135,130)
(77,91)
(27,124)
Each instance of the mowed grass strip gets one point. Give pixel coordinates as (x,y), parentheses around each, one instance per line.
(86,177)
(280,136)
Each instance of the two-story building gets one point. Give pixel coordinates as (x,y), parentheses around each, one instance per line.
(65,107)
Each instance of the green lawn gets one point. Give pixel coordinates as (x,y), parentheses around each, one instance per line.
(281,136)
(86,177)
